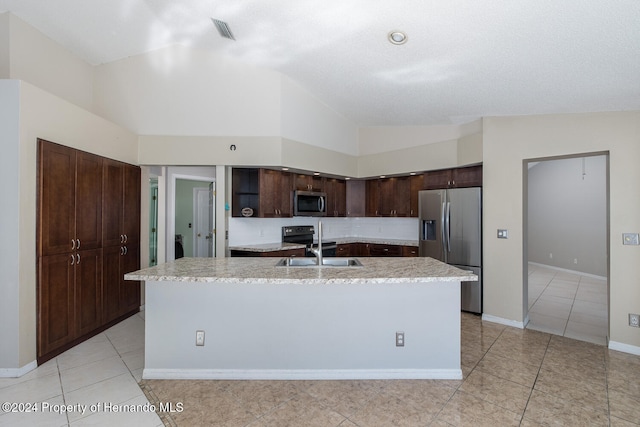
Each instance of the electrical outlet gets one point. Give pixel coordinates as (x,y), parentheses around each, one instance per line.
(399,339)
(199,338)
(634,320)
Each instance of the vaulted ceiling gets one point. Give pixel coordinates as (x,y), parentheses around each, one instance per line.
(463,59)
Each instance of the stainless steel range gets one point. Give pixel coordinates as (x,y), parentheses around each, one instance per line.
(303,234)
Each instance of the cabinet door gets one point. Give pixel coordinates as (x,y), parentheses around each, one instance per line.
(275,194)
(386,197)
(402,196)
(111,282)
(129,290)
(336,190)
(88,290)
(372,198)
(131,204)
(434,180)
(467,177)
(344,250)
(356,196)
(417,185)
(245,191)
(410,251)
(56,302)
(307,182)
(88,200)
(113,201)
(56,198)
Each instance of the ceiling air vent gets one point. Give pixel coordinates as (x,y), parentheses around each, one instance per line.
(223,29)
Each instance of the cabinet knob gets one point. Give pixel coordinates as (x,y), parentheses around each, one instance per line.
(73,244)
(73,260)
(78,245)
(78,261)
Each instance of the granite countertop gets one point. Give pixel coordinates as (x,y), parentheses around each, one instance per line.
(279,246)
(262,270)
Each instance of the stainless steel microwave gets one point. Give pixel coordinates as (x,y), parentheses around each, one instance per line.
(309,203)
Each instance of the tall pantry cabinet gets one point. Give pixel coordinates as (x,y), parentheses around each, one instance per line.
(73,280)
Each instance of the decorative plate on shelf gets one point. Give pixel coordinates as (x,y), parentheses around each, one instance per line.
(247,212)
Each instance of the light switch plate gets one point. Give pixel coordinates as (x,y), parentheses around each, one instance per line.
(630,239)
(503,234)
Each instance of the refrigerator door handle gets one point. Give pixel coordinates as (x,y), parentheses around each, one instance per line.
(443,232)
(448,226)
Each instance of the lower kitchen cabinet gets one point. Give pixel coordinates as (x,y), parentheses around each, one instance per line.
(375,249)
(119,296)
(69,297)
(282,253)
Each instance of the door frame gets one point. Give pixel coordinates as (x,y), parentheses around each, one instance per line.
(525,228)
(196,191)
(204,174)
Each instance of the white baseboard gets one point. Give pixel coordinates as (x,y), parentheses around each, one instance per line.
(500,320)
(302,374)
(625,348)
(565,270)
(18,372)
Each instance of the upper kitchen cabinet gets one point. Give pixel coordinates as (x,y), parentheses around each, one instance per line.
(275,194)
(262,193)
(70,199)
(417,184)
(356,198)
(389,197)
(121,224)
(308,182)
(453,178)
(336,190)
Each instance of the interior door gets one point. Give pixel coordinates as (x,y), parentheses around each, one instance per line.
(204,220)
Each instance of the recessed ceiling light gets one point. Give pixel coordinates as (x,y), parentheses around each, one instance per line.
(285,169)
(383,176)
(412,173)
(347,178)
(397,37)
(316,173)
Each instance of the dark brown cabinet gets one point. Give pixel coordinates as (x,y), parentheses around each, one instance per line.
(277,253)
(308,182)
(389,197)
(417,185)
(70,195)
(275,194)
(86,205)
(470,176)
(265,192)
(336,190)
(121,236)
(356,198)
(410,251)
(381,250)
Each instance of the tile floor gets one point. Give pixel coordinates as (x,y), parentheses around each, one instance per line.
(512,377)
(567,304)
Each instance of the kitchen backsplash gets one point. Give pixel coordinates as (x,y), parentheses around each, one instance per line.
(255,231)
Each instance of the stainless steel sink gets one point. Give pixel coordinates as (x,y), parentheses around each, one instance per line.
(326,262)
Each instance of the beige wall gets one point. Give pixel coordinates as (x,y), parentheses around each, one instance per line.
(35,58)
(43,115)
(507,141)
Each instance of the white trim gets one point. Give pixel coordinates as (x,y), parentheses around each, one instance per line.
(565,270)
(302,374)
(142,307)
(18,372)
(625,348)
(500,320)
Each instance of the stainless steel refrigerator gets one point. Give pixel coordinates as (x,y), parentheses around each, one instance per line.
(451,231)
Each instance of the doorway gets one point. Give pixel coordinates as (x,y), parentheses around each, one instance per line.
(566,246)
(194,229)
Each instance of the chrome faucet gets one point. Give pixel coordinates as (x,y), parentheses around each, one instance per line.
(318,251)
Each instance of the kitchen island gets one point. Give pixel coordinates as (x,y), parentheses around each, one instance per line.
(266,322)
